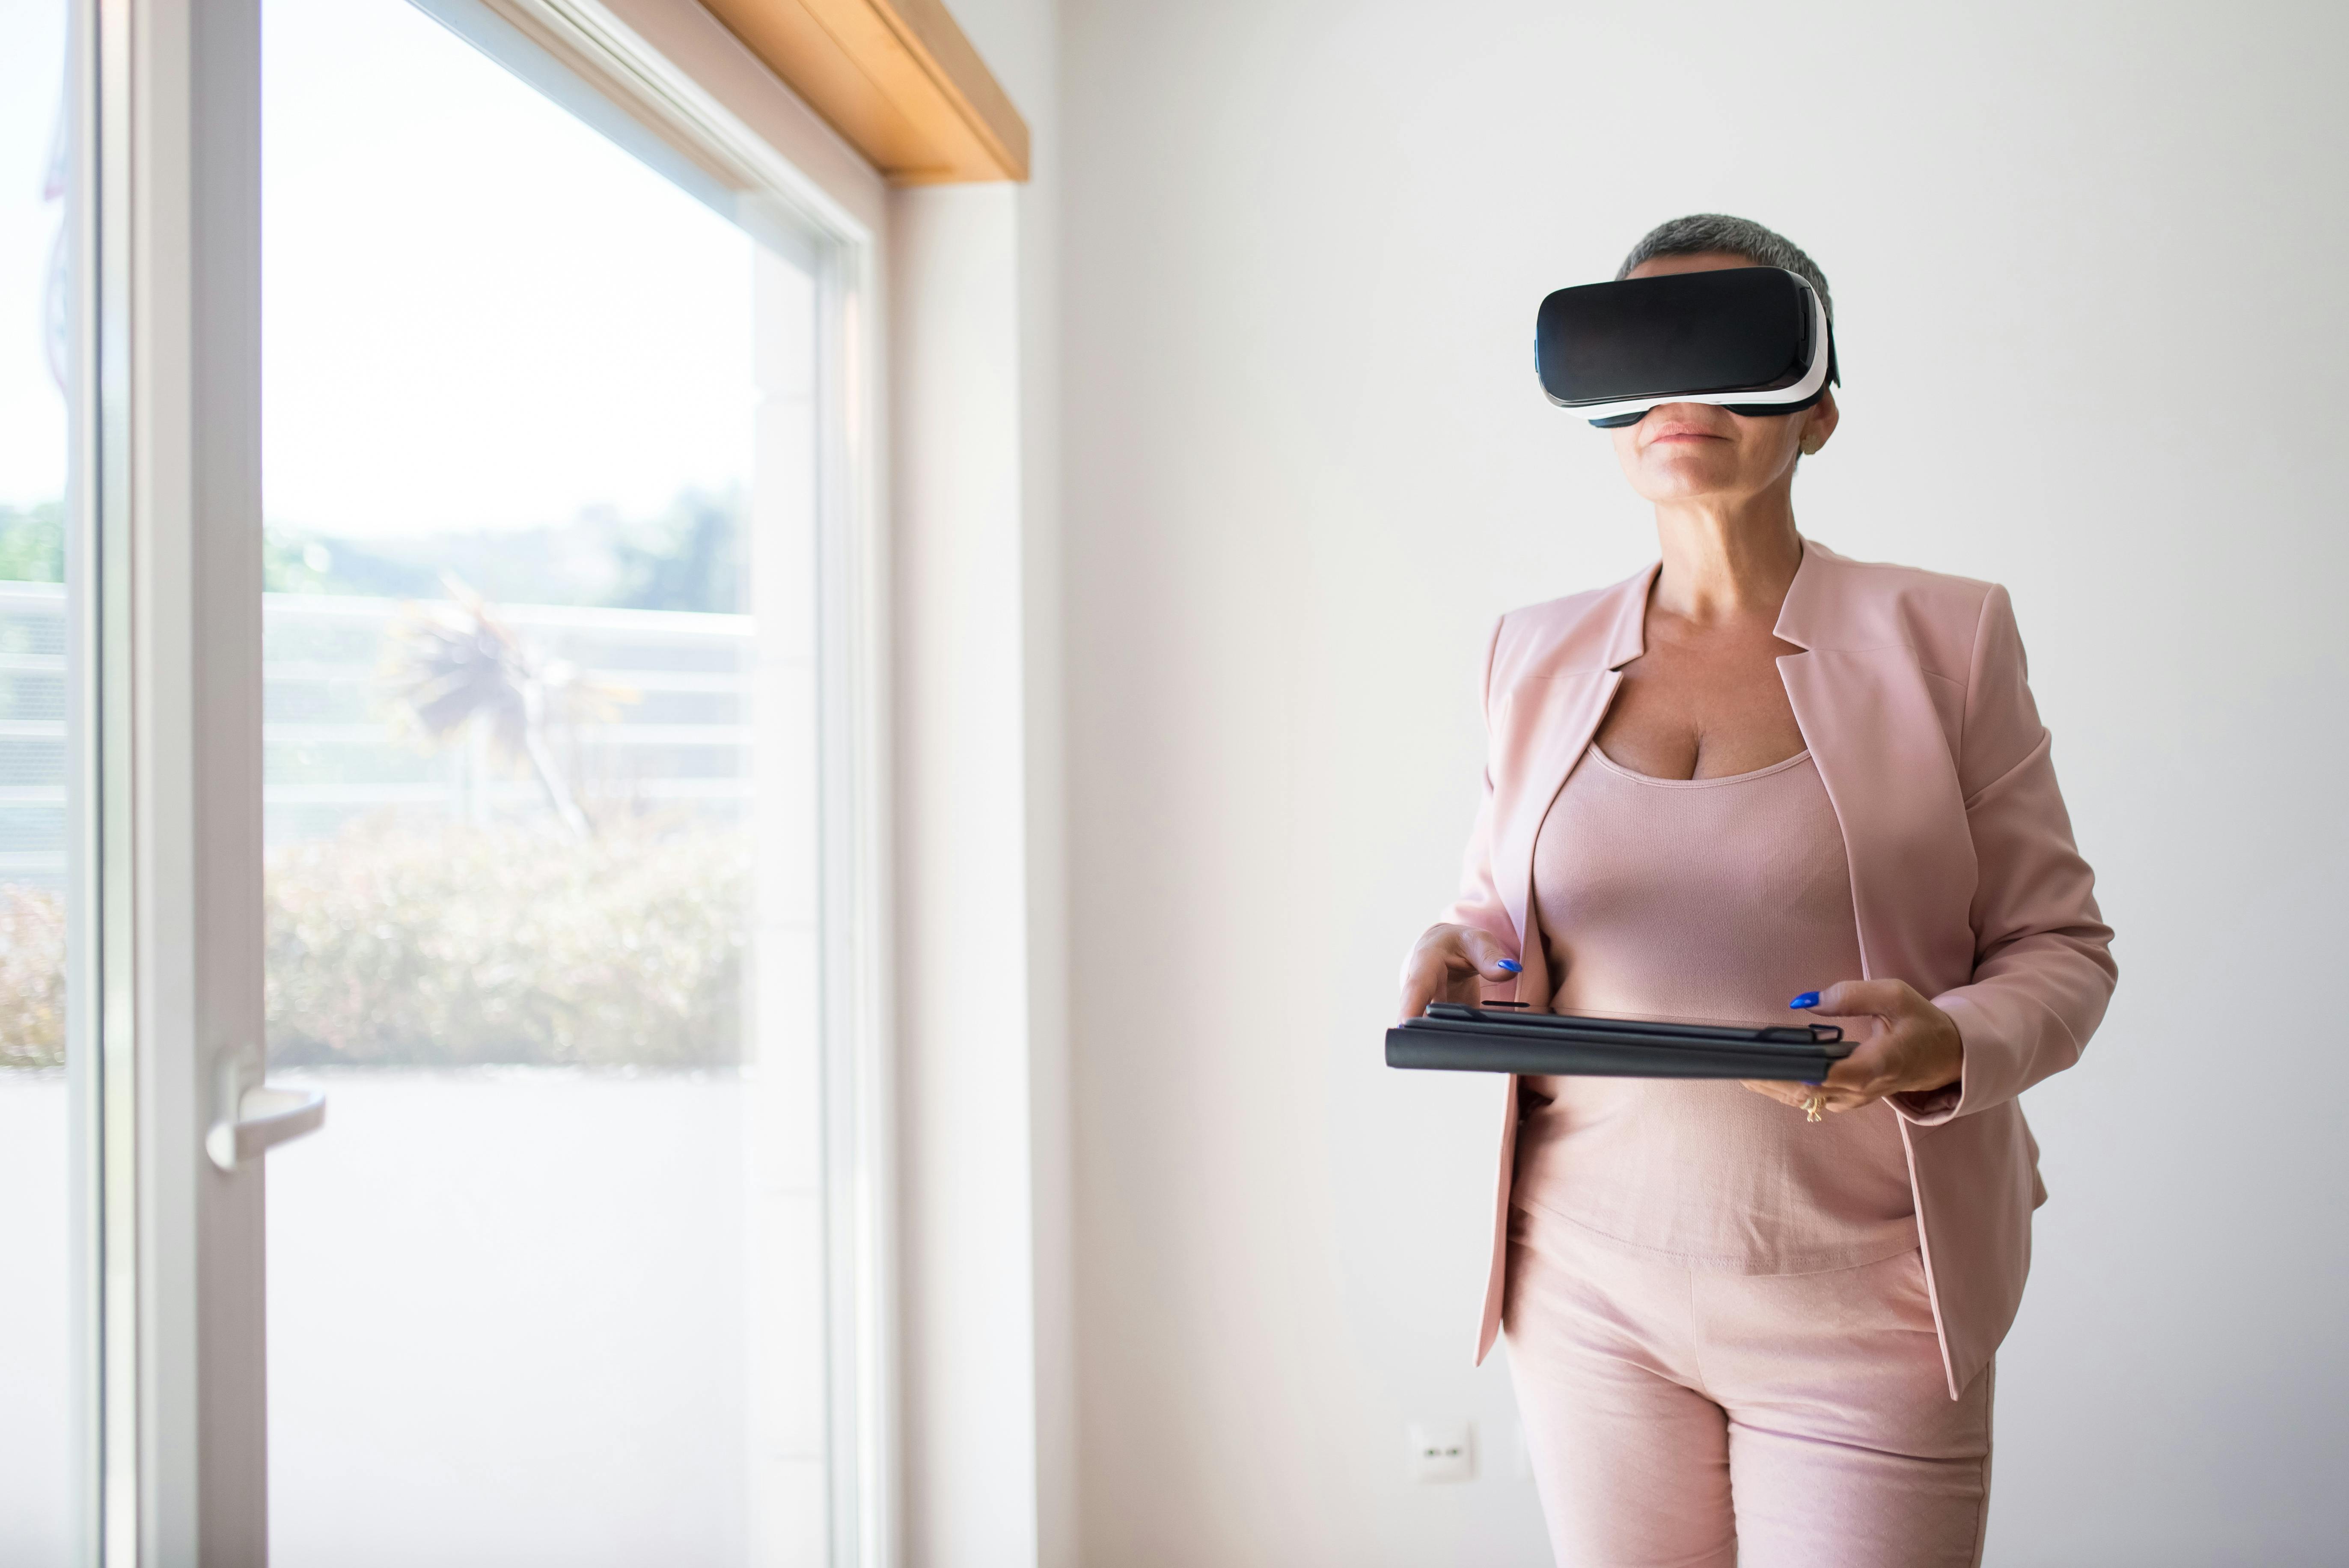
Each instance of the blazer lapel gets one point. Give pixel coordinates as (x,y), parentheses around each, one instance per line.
(1542,729)
(1874,734)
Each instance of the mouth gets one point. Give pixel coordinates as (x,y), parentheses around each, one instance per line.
(1678,422)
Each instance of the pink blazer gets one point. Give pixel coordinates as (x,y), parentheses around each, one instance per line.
(1910,692)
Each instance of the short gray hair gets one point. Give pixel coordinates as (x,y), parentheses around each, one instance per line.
(1701,233)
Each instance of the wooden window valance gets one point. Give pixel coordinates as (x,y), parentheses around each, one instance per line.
(895,77)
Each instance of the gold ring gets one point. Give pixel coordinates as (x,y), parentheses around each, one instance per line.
(1811,1107)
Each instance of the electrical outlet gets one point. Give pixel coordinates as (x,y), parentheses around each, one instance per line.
(1442,1450)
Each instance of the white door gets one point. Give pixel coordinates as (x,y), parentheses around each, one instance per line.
(46,685)
(459,514)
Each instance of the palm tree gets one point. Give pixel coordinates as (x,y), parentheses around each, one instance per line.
(447,666)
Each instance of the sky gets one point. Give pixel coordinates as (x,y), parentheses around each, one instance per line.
(477,312)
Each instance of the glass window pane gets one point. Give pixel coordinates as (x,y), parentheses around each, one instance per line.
(36,1424)
(539,750)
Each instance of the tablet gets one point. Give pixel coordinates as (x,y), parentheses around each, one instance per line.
(1503,1037)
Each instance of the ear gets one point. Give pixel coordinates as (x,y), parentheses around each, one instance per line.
(1818,424)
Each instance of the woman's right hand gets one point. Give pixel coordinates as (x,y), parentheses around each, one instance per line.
(1447,963)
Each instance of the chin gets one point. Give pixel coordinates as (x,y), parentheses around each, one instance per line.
(1683,480)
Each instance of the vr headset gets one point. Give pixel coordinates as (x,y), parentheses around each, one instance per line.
(1752,339)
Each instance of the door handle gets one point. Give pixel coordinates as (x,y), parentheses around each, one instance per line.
(248,1121)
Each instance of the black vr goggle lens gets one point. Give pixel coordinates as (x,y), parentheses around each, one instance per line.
(1753,339)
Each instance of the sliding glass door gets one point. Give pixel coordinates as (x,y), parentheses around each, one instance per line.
(543,842)
(541,863)
(433,739)
(43,787)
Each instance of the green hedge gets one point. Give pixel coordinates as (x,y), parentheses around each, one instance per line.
(452,945)
(32,977)
(393,945)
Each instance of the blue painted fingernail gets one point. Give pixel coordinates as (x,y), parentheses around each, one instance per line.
(1809,999)
(1513,966)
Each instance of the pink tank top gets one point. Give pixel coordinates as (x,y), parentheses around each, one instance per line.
(1704,898)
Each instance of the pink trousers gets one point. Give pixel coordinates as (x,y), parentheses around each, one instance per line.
(1761,1420)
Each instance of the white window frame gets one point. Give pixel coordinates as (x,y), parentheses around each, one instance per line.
(174,1455)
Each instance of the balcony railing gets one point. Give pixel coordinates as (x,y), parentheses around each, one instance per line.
(676,727)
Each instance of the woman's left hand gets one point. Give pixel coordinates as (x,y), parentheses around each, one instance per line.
(1915,1046)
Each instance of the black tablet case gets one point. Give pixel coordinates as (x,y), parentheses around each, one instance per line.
(1452,1038)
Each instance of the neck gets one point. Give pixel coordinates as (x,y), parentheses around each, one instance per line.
(1727,557)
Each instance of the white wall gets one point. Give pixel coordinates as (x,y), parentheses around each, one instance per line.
(2086,262)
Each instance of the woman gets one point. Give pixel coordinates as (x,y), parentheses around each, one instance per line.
(1755,1323)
